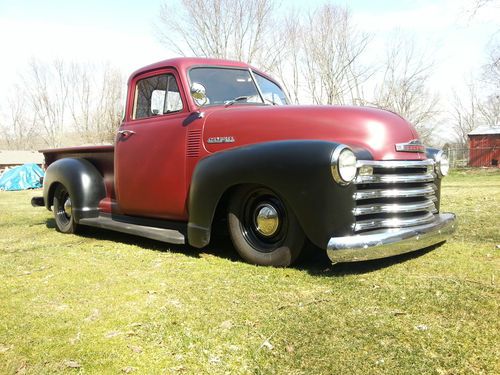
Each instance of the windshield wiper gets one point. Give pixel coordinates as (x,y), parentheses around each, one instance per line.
(235,100)
(240,98)
(270,101)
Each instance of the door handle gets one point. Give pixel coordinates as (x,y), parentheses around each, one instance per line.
(126,133)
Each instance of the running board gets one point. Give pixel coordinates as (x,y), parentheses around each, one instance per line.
(155,233)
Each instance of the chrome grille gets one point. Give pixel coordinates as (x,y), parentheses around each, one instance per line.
(395,194)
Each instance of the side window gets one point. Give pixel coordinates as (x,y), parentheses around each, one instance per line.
(155,96)
(270,91)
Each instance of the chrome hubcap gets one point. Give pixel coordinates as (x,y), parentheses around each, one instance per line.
(67,207)
(266,220)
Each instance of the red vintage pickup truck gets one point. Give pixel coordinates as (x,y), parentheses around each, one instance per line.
(205,141)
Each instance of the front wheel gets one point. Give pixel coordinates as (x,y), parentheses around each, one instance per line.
(63,211)
(263,229)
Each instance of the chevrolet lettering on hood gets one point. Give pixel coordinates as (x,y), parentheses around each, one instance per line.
(413,146)
(228,139)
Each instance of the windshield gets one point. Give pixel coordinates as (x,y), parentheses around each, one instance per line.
(270,91)
(231,85)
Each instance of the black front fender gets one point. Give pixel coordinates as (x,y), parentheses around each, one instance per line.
(298,171)
(84,182)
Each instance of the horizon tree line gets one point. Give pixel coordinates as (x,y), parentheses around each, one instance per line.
(321,57)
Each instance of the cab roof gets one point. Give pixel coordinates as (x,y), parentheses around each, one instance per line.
(183,63)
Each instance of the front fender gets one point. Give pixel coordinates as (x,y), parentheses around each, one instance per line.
(84,183)
(298,171)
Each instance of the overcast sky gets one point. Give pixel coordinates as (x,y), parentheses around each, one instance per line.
(122,32)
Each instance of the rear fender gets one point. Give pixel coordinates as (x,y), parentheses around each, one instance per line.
(83,181)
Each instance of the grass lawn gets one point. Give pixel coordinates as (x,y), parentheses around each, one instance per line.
(108,303)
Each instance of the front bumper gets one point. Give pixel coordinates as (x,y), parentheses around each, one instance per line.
(388,242)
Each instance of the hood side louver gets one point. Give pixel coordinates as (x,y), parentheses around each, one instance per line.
(193,143)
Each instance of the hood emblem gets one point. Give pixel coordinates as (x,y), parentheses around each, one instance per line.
(228,139)
(413,146)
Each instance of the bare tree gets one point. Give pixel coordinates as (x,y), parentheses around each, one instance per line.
(332,49)
(18,127)
(480,104)
(287,62)
(476,5)
(465,115)
(61,97)
(110,103)
(491,71)
(404,87)
(48,95)
(489,107)
(96,102)
(230,29)
(80,105)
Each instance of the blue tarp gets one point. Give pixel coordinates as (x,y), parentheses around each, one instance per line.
(24,177)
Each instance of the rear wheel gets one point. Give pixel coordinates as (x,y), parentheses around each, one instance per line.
(63,211)
(263,229)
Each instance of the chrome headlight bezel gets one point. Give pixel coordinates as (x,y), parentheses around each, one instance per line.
(442,164)
(343,165)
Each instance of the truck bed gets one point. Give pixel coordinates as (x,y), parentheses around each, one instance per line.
(101,153)
(102,157)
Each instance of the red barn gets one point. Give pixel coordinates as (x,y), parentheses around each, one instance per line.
(484,147)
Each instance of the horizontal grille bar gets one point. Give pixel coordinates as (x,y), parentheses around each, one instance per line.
(393,222)
(395,178)
(395,163)
(395,193)
(426,205)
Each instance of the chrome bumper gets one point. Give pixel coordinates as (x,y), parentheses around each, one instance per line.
(389,242)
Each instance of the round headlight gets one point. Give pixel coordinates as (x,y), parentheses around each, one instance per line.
(442,164)
(343,165)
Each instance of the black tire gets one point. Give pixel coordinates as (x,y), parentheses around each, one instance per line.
(65,222)
(277,241)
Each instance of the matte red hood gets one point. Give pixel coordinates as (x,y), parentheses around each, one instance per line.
(372,129)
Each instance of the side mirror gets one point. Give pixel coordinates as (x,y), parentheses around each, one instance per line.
(199,94)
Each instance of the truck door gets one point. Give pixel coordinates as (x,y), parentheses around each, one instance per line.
(150,149)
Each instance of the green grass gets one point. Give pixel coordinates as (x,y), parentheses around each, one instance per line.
(107,303)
